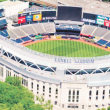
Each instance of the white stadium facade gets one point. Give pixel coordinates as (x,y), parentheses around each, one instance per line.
(70,83)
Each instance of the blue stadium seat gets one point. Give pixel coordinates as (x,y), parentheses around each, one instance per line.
(26,38)
(18,41)
(102,42)
(4,33)
(108,44)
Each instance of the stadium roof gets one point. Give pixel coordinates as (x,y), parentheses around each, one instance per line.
(52,3)
(7,4)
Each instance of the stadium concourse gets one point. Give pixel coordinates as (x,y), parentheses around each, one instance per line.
(81,83)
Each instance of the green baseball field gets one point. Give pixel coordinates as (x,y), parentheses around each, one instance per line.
(68,48)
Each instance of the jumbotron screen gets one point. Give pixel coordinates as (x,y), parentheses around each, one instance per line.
(69,13)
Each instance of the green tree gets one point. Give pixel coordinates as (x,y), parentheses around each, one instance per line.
(40,99)
(3,107)
(17,106)
(47,105)
(103,108)
(16,81)
(108,108)
(16,97)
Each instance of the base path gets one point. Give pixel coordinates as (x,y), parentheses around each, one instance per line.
(80,40)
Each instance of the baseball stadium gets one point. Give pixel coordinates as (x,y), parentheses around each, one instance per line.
(60,49)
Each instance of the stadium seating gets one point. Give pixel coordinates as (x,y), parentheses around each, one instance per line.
(18,41)
(4,33)
(19,32)
(39,27)
(100,32)
(11,34)
(28,29)
(102,42)
(107,36)
(108,44)
(88,29)
(25,38)
(49,27)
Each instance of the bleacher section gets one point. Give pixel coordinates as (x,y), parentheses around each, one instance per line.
(11,34)
(28,29)
(102,42)
(88,29)
(49,28)
(38,27)
(107,36)
(100,32)
(19,32)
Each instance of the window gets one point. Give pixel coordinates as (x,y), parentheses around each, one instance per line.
(97,92)
(90,93)
(89,98)
(49,95)
(62,105)
(82,106)
(55,102)
(69,96)
(77,97)
(56,91)
(96,98)
(49,89)
(32,85)
(37,87)
(56,96)
(73,98)
(103,92)
(103,97)
(43,88)
(43,94)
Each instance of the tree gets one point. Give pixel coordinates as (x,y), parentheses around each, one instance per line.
(103,108)
(16,97)
(18,106)
(47,105)
(40,99)
(3,107)
(16,81)
(108,108)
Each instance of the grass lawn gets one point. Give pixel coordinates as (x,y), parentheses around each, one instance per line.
(67,48)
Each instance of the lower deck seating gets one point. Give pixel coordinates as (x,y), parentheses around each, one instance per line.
(18,41)
(26,38)
(102,42)
(108,44)
(4,33)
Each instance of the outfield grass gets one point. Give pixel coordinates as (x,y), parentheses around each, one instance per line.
(67,48)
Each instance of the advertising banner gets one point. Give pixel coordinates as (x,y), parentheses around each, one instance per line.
(100,19)
(23,14)
(107,23)
(49,15)
(21,19)
(88,20)
(89,17)
(29,18)
(37,17)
